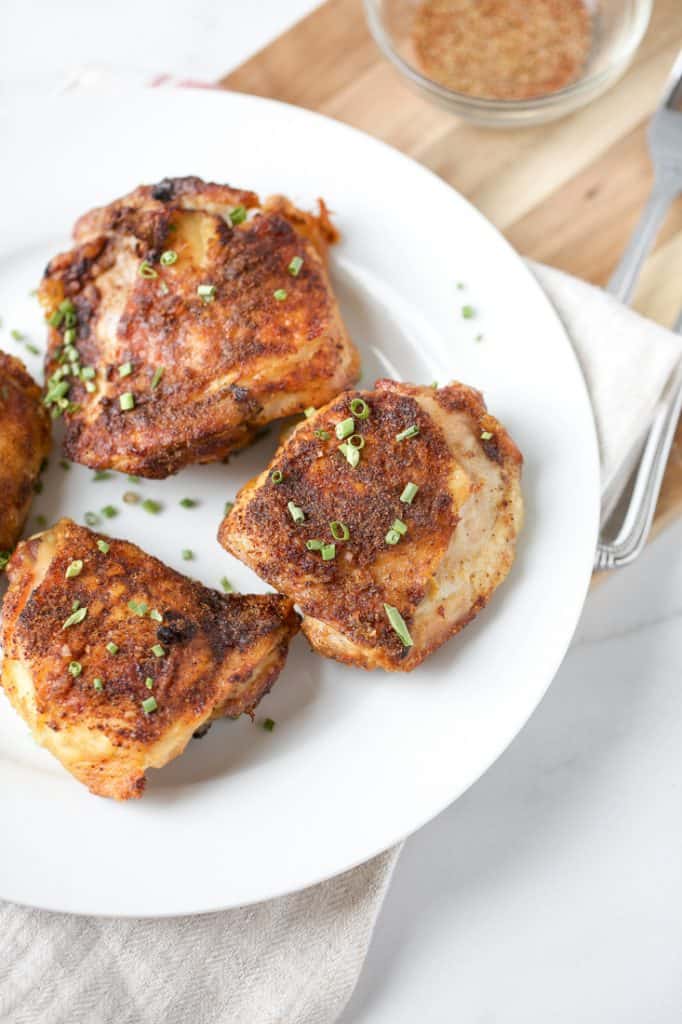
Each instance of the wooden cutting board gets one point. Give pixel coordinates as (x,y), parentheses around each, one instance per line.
(568,193)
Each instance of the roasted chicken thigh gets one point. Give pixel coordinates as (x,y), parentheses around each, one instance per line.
(187,317)
(389,516)
(24,445)
(114,660)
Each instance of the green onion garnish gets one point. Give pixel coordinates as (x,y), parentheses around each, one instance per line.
(127,401)
(156,615)
(109,511)
(277,476)
(91,518)
(206,292)
(409,492)
(56,318)
(229,505)
(156,379)
(485,435)
(339,530)
(65,464)
(125,369)
(97,683)
(187,554)
(67,306)
(188,502)
(75,617)
(467,312)
(398,623)
(90,387)
(411,431)
(359,408)
(295,512)
(294,267)
(151,506)
(310,411)
(75,668)
(392,537)
(41,521)
(131,498)
(238,215)
(356,441)
(33,348)
(345,428)
(149,683)
(328,551)
(103,546)
(399,526)
(314,545)
(149,705)
(169,257)
(4,559)
(351,454)
(112,647)
(158,651)
(226,585)
(323,435)
(138,607)
(17,335)
(101,474)
(145,269)
(75,568)
(133,479)
(269,724)
(280,294)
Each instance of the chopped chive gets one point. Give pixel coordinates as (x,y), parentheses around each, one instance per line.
(277,476)
(280,294)
(67,306)
(133,479)
(434,385)
(33,348)
(131,498)
(149,683)
(90,387)
(485,435)
(410,431)
(75,568)
(229,505)
(109,511)
(75,605)
(97,683)
(187,554)
(75,668)
(17,335)
(91,519)
(238,215)
(149,705)
(56,318)
(356,441)
(125,369)
(189,502)
(38,487)
(409,492)
(328,551)
(339,530)
(156,379)
(41,521)
(156,615)
(351,454)
(479,337)
(460,284)
(398,623)
(296,513)
(4,559)
(103,546)
(310,411)
(359,408)
(101,474)
(345,428)
(314,545)
(323,435)
(294,267)
(226,585)
(169,257)
(127,401)
(69,338)
(146,270)
(138,608)
(158,651)
(269,724)
(112,647)
(206,292)
(392,537)
(399,526)
(151,506)
(75,617)
(467,312)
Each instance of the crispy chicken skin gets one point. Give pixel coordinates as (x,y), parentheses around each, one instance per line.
(217,655)
(24,445)
(461,532)
(232,360)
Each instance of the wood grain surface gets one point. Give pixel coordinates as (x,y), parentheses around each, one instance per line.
(567,194)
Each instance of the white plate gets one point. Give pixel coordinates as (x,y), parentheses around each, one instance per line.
(357,760)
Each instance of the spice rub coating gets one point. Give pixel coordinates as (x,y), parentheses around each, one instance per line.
(156,656)
(190,288)
(24,445)
(457,531)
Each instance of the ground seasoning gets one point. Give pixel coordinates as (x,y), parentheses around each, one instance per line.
(502,49)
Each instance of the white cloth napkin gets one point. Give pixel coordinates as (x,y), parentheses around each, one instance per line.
(294,960)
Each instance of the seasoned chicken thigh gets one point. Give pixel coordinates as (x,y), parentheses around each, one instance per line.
(389,516)
(187,317)
(114,660)
(24,445)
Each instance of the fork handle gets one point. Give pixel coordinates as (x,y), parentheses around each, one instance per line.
(622,283)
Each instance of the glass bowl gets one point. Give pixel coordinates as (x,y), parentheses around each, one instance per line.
(618,27)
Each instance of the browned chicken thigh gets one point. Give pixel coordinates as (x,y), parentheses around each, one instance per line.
(24,445)
(187,317)
(114,660)
(389,516)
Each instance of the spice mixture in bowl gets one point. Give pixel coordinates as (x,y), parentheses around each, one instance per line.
(509,62)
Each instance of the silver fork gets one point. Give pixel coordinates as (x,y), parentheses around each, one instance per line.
(665,147)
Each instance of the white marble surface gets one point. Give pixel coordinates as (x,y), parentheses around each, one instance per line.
(552,891)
